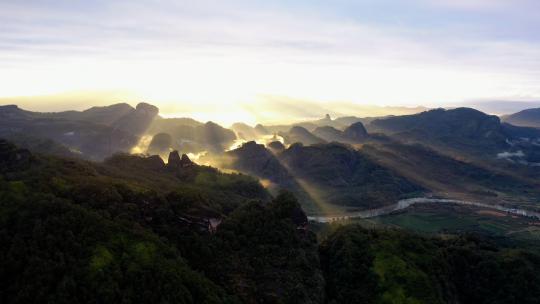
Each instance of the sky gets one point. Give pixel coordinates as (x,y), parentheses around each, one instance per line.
(226,57)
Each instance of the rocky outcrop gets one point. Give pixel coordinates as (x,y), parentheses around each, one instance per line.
(174,159)
(146,109)
(276,146)
(355,132)
(176,162)
(186,162)
(138,121)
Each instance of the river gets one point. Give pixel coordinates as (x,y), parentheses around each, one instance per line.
(406,203)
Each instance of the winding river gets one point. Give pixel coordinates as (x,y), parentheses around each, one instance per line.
(405,203)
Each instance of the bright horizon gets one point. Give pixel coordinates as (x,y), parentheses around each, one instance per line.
(235,58)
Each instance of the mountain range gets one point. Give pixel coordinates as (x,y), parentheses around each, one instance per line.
(327,164)
(136,229)
(84,219)
(525,118)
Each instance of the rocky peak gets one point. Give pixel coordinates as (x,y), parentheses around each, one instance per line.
(276,146)
(261,129)
(177,162)
(298,130)
(138,121)
(328,133)
(251,145)
(185,161)
(147,109)
(355,132)
(252,150)
(174,159)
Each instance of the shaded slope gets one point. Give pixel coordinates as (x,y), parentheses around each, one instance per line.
(299,134)
(326,177)
(525,118)
(450,177)
(95,133)
(465,132)
(345,177)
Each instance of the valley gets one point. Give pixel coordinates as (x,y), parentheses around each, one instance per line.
(407,203)
(270,152)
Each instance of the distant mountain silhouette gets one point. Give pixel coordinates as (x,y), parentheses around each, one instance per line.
(355,132)
(525,118)
(328,174)
(244,131)
(197,137)
(94,133)
(261,129)
(255,159)
(138,121)
(329,133)
(106,115)
(463,129)
(299,134)
(462,122)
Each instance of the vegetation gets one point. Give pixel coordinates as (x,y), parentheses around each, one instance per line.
(54,251)
(133,229)
(333,176)
(391,266)
(346,177)
(443,174)
(265,253)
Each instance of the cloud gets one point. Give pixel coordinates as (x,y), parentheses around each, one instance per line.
(489,5)
(233,51)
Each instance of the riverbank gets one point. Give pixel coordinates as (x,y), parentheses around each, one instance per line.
(406,203)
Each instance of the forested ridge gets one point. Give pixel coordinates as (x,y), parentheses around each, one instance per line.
(134,229)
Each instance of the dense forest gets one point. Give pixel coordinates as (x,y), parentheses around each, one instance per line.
(133,229)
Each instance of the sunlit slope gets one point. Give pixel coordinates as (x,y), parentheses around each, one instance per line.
(331,178)
(450,177)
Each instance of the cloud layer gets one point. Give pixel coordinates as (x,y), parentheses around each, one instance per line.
(228,52)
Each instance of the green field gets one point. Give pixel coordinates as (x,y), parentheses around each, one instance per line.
(459,219)
(454,219)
